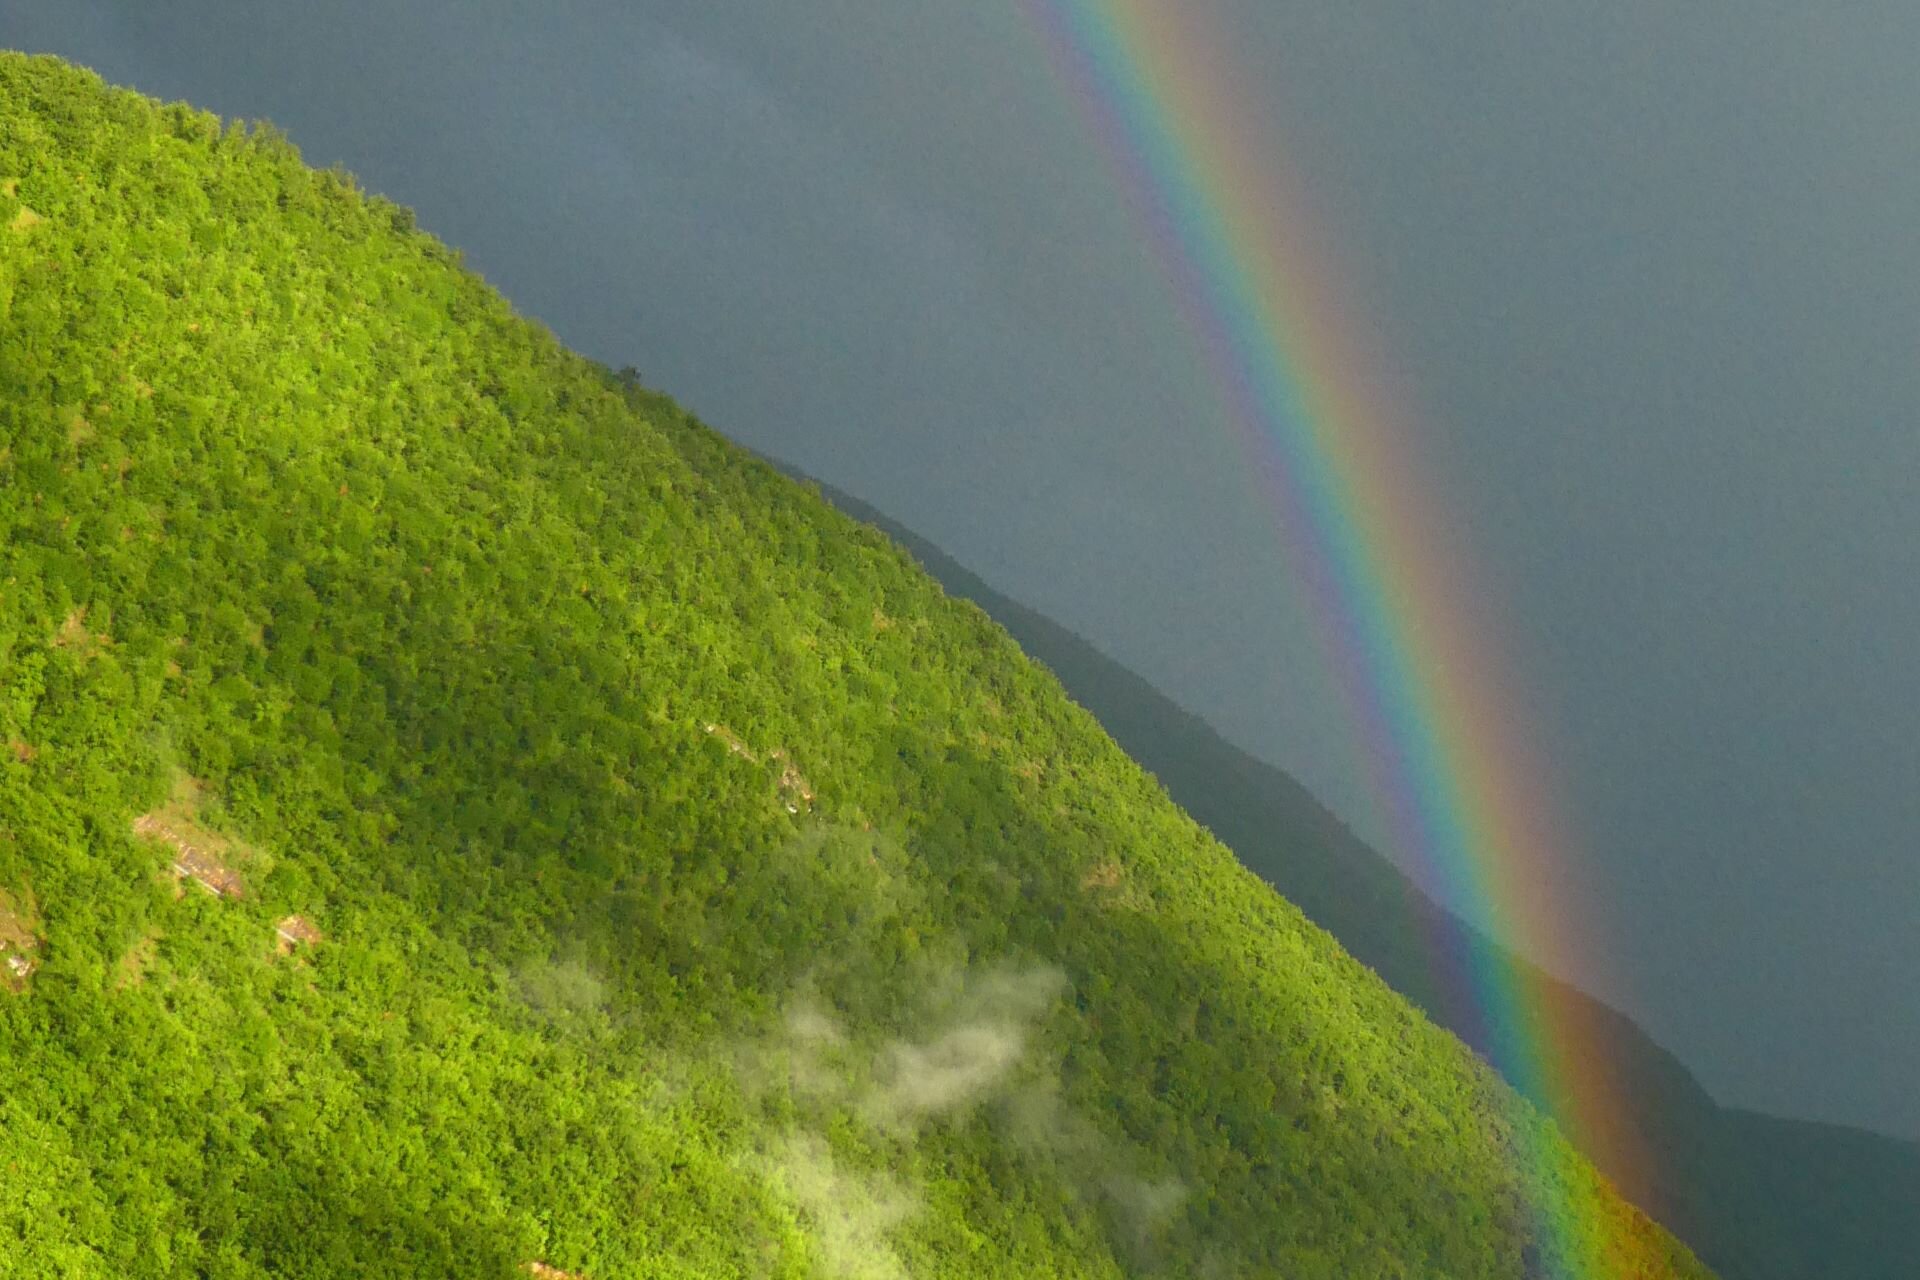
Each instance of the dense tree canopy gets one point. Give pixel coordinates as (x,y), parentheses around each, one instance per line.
(459,813)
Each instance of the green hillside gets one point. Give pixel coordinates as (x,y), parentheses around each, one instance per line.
(1757,1198)
(459,816)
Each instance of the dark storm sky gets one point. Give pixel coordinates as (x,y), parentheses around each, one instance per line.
(1647,273)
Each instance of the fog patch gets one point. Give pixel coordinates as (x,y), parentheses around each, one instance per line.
(560,988)
(1039,1121)
(968,1058)
(972,1051)
(848,1214)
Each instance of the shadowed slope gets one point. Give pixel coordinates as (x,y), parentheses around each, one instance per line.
(1760,1198)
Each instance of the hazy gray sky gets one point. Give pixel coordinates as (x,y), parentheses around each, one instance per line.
(1646,272)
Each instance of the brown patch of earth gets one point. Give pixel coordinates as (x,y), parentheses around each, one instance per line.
(73,634)
(73,631)
(733,741)
(294,932)
(1108,881)
(199,854)
(796,793)
(19,940)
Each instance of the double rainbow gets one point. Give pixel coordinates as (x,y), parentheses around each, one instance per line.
(1449,765)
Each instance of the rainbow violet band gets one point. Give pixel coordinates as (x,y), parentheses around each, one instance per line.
(1450,771)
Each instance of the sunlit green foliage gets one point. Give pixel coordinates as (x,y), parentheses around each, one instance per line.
(701,892)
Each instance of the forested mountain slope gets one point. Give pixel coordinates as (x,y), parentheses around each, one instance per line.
(1759,1198)
(460,816)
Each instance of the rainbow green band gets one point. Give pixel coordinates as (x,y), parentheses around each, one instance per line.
(1460,797)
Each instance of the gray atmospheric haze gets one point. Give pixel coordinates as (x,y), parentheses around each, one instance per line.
(1646,275)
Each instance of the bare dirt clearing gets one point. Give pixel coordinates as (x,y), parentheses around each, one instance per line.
(19,940)
(199,854)
(796,793)
(293,933)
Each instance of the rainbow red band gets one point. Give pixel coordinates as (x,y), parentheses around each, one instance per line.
(1441,731)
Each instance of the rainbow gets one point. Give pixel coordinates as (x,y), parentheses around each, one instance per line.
(1449,764)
